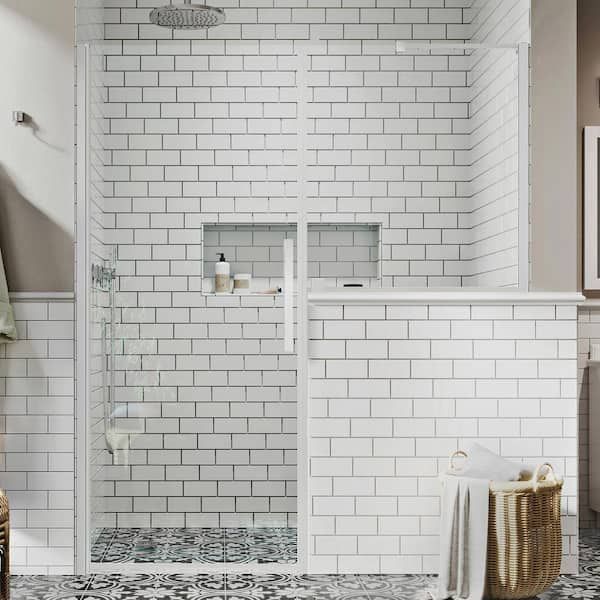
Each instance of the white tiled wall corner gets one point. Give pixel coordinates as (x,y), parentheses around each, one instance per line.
(499,21)
(494,141)
(491,256)
(37,415)
(405,387)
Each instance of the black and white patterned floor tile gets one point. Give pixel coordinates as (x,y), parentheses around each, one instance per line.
(222,587)
(196,545)
(585,586)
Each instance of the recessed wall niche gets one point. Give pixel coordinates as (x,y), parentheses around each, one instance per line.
(337,253)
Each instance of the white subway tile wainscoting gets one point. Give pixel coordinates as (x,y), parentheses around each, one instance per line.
(377,444)
(37,412)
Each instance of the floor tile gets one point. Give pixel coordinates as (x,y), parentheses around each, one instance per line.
(45,587)
(200,545)
(288,587)
(156,587)
(391,587)
(585,586)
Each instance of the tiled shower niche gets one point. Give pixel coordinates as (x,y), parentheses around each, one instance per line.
(337,253)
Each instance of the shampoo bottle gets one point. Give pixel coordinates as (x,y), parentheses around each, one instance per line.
(222,275)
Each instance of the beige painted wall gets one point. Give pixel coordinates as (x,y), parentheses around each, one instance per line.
(588,88)
(554,176)
(588,67)
(36,161)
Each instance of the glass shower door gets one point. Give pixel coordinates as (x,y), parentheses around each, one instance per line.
(206,384)
(416,164)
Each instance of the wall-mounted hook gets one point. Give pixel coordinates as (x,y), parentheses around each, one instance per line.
(19,117)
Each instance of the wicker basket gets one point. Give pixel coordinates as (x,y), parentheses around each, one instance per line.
(4,530)
(524,535)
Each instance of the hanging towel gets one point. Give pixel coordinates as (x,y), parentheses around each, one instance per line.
(482,463)
(8,330)
(463,530)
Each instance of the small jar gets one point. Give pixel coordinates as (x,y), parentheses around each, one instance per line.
(241,283)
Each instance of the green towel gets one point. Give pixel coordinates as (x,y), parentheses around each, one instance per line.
(8,329)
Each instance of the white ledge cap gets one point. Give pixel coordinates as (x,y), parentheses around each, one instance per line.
(440,296)
(41,296)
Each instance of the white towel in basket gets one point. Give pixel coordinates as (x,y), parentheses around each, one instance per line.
(464,528)
(481,463)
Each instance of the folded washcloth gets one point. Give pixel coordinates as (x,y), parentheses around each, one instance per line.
(463,538)
(481,463)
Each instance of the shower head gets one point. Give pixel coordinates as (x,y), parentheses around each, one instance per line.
(187,16)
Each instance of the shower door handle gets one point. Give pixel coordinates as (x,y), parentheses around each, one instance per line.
(288,295)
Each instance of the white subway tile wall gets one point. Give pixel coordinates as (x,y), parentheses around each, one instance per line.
(491,257)
(428,141)
(499,21)
(201,130)
(206,122)
(589,333)
(494,151)
(396,389)
(376,449)
(38,459)
(200,127)
(389,135)
(208,397)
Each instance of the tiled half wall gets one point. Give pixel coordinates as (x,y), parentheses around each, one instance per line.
(396,389)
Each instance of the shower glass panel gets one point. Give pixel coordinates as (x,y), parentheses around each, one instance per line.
(102,354)
(408,164)
(199,464)
(420,142)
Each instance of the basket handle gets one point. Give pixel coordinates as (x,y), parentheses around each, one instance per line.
(537,474)
(451,466)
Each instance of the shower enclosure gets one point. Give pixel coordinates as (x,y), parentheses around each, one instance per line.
(312,165)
